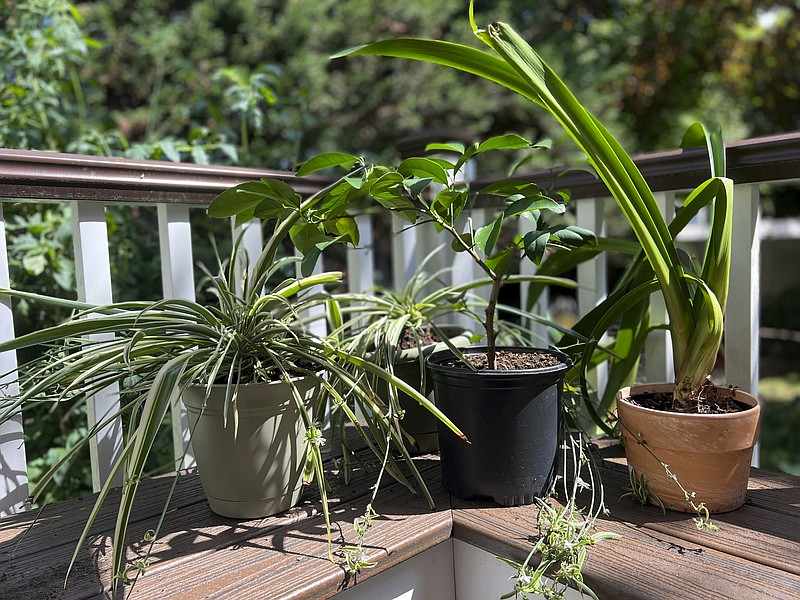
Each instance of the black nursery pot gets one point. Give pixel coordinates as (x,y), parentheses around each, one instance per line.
(511,419)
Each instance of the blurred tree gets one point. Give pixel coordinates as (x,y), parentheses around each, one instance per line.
(652,66)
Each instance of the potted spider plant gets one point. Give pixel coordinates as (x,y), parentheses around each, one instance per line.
(247,369)
(397,329)
(505,400)
(690,459)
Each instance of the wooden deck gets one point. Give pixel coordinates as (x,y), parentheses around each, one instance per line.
(756,553)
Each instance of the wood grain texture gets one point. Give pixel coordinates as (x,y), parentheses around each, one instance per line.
(201,555)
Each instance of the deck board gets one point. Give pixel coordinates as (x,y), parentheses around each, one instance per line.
(201,555)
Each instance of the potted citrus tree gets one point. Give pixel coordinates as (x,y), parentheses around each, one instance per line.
(657,435)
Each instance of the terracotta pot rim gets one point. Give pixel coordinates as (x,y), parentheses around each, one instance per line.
(665,413)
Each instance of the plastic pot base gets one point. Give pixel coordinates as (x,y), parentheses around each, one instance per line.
(254,509)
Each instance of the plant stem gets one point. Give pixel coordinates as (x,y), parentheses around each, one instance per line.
(491,334)
(494,295)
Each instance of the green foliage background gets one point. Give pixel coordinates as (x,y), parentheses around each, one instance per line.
(249,82)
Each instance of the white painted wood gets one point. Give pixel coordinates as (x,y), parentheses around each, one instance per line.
(479,575)
(541,307)
(318,324)
(177,277)
(93,274)
(540,331)
(360,260)
(741,324)
(452,570)
(13,464)
(251,240)
(742,314)
(592,276)
(404,255)
(426,576)
(177,261)
(480,217)
(465,270)
(658,364)
(433,247)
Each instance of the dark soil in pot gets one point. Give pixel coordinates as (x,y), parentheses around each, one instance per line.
(511,418)
(715,400)
(418,422)
(425,337)
(509,361)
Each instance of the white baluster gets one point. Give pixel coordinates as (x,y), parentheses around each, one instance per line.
(316,314)
(539,330)
(177,276)
(251,245)
(360,261)
(591,275)
(465,269)
(13,469)
(404,255)
(742,314)
(93,273)
(659,366)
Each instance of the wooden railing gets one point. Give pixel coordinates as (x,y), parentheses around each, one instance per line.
(91,184)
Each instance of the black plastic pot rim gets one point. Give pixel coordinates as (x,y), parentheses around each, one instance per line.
(434,359)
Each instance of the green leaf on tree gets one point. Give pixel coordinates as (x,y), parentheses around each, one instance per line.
(423,168)
(325,161)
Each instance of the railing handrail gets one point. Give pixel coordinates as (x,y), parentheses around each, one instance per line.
(762,159)
(39,175)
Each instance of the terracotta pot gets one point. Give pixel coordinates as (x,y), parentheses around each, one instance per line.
(709,454)
(257,470)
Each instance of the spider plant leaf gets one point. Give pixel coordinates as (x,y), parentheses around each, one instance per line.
(401,386)
(165,391)
(101,498)
(292,287)
(73,451)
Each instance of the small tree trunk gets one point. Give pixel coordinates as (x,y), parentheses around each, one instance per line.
(491,334)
